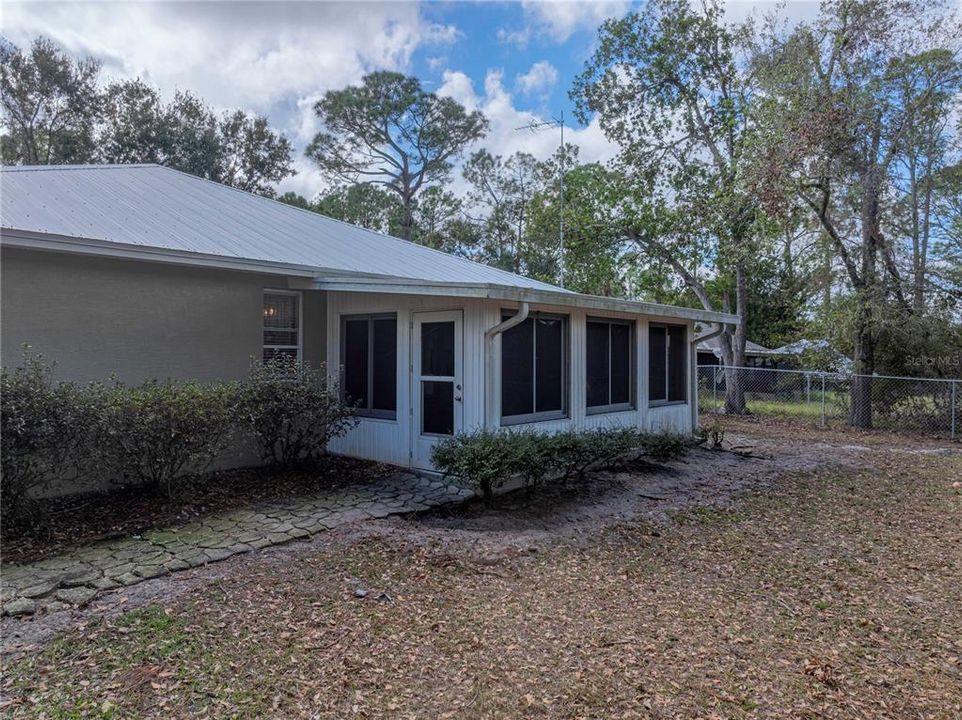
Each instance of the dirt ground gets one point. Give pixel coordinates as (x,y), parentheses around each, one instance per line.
(796,574)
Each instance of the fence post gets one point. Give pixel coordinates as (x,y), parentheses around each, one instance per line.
(808,389)
(714,390)
(823,399)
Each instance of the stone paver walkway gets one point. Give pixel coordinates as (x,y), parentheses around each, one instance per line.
(76,577)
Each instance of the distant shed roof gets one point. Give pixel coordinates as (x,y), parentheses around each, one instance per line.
(713,345)
(158,207)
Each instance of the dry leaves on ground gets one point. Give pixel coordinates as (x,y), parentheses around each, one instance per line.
(834,595)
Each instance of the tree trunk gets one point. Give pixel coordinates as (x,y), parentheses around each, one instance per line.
(860,414)
(407,218)
(827,258)
(735,380)
(921,264)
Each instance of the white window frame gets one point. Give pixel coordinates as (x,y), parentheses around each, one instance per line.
(300,323)
(613,407)
(665,402)
(366,412)
(544,415)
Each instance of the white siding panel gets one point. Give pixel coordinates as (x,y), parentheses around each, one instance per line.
(674,418)
(626,418)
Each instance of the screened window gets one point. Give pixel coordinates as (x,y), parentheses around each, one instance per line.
(534,369)
(667,364)
(608,365)
(369,362)
(282,325)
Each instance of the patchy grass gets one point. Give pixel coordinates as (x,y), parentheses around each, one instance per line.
(918,415)
(800,410)
(837,596)
(802,407)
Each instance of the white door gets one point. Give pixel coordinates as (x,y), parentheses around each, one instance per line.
(437,382)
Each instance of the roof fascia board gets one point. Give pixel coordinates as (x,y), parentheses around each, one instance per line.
(531,295)
(595,302)
(85,246)
(389,280)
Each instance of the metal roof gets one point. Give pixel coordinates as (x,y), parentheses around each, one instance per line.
(158,207)
(156,213)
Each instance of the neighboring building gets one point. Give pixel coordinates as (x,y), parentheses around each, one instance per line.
(147,272)
(816,354)
(709,353)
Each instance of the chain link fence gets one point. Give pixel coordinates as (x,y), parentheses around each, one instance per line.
(904,404)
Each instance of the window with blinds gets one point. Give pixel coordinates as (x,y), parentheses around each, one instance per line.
(282,324)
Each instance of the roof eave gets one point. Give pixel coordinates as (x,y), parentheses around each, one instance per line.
(562,298)
(32,240)
(326,279)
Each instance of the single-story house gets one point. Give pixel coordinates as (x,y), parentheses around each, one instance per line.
(146,272)
(709,353)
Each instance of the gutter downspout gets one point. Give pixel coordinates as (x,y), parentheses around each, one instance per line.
(693,364)
(489,359)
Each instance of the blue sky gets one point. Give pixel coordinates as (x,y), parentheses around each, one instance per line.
(503,36)
(513,60)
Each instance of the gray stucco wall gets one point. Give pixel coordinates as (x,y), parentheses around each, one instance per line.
(139,320)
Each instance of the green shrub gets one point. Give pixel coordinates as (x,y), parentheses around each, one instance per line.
(533,456)
(293,411)
(486,459)
(609,444)
(44,427)
(662,446)
(483,458)
(577,451)
(157,433)
(574,452)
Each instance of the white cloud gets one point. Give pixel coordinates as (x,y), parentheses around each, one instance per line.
(307,182)
(458,86)
(505,118)
(250,55)
(558,20)
(442,34)
(538,80)
(514,37)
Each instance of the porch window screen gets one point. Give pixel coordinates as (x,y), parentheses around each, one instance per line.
(667,364)
(282,329)
(609,365)
(369,363)
(534,369)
